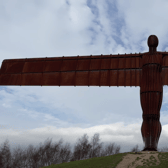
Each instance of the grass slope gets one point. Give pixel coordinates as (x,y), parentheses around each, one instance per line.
(98,162)
(108,161)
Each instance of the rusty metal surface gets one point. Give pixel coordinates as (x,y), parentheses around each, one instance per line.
(151,94)
(102,70)
(148,70)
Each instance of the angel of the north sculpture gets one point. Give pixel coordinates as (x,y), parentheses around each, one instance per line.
(148,70)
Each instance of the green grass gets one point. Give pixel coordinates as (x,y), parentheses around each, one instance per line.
(98,162)
(110,162)
(163,157)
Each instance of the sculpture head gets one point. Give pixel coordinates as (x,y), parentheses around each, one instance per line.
(152,43)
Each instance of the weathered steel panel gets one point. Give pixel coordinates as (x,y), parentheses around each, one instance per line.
(12,67)
(165,76)
(128,77)
(31,79)
(67,78)
(121,78)
(114,63)
(94,78)
(52,66)
(113,78)
(128,63)
(95,64)
(52,78)
(82,79)
(106,63)
(33,67)
(104,78)
(165,59)
(66,65)
(133,81)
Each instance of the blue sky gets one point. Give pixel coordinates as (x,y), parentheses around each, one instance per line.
(56,28)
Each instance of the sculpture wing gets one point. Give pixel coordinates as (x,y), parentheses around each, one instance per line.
(101,70)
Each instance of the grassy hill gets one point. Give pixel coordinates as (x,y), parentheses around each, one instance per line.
(110,162)
(98,162)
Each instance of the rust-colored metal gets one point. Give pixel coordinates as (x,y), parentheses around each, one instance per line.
(104,70)
(148,70)
(151,93)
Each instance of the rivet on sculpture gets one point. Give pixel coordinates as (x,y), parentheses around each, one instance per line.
(147,70)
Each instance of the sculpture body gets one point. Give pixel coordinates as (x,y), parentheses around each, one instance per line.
(151,93)
(147,70)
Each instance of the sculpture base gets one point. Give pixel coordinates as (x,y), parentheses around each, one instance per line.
(149,149)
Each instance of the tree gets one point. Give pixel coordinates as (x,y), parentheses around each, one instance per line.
(96,147)
(82,148)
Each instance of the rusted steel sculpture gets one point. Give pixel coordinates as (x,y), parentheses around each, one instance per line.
(147,70)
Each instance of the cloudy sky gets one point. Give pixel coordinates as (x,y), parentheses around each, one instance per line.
(56,28)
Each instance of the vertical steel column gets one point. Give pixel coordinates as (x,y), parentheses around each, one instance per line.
(151,94)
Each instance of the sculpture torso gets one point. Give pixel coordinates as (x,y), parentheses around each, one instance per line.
(151,93)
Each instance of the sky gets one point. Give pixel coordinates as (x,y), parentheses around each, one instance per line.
(56,28)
